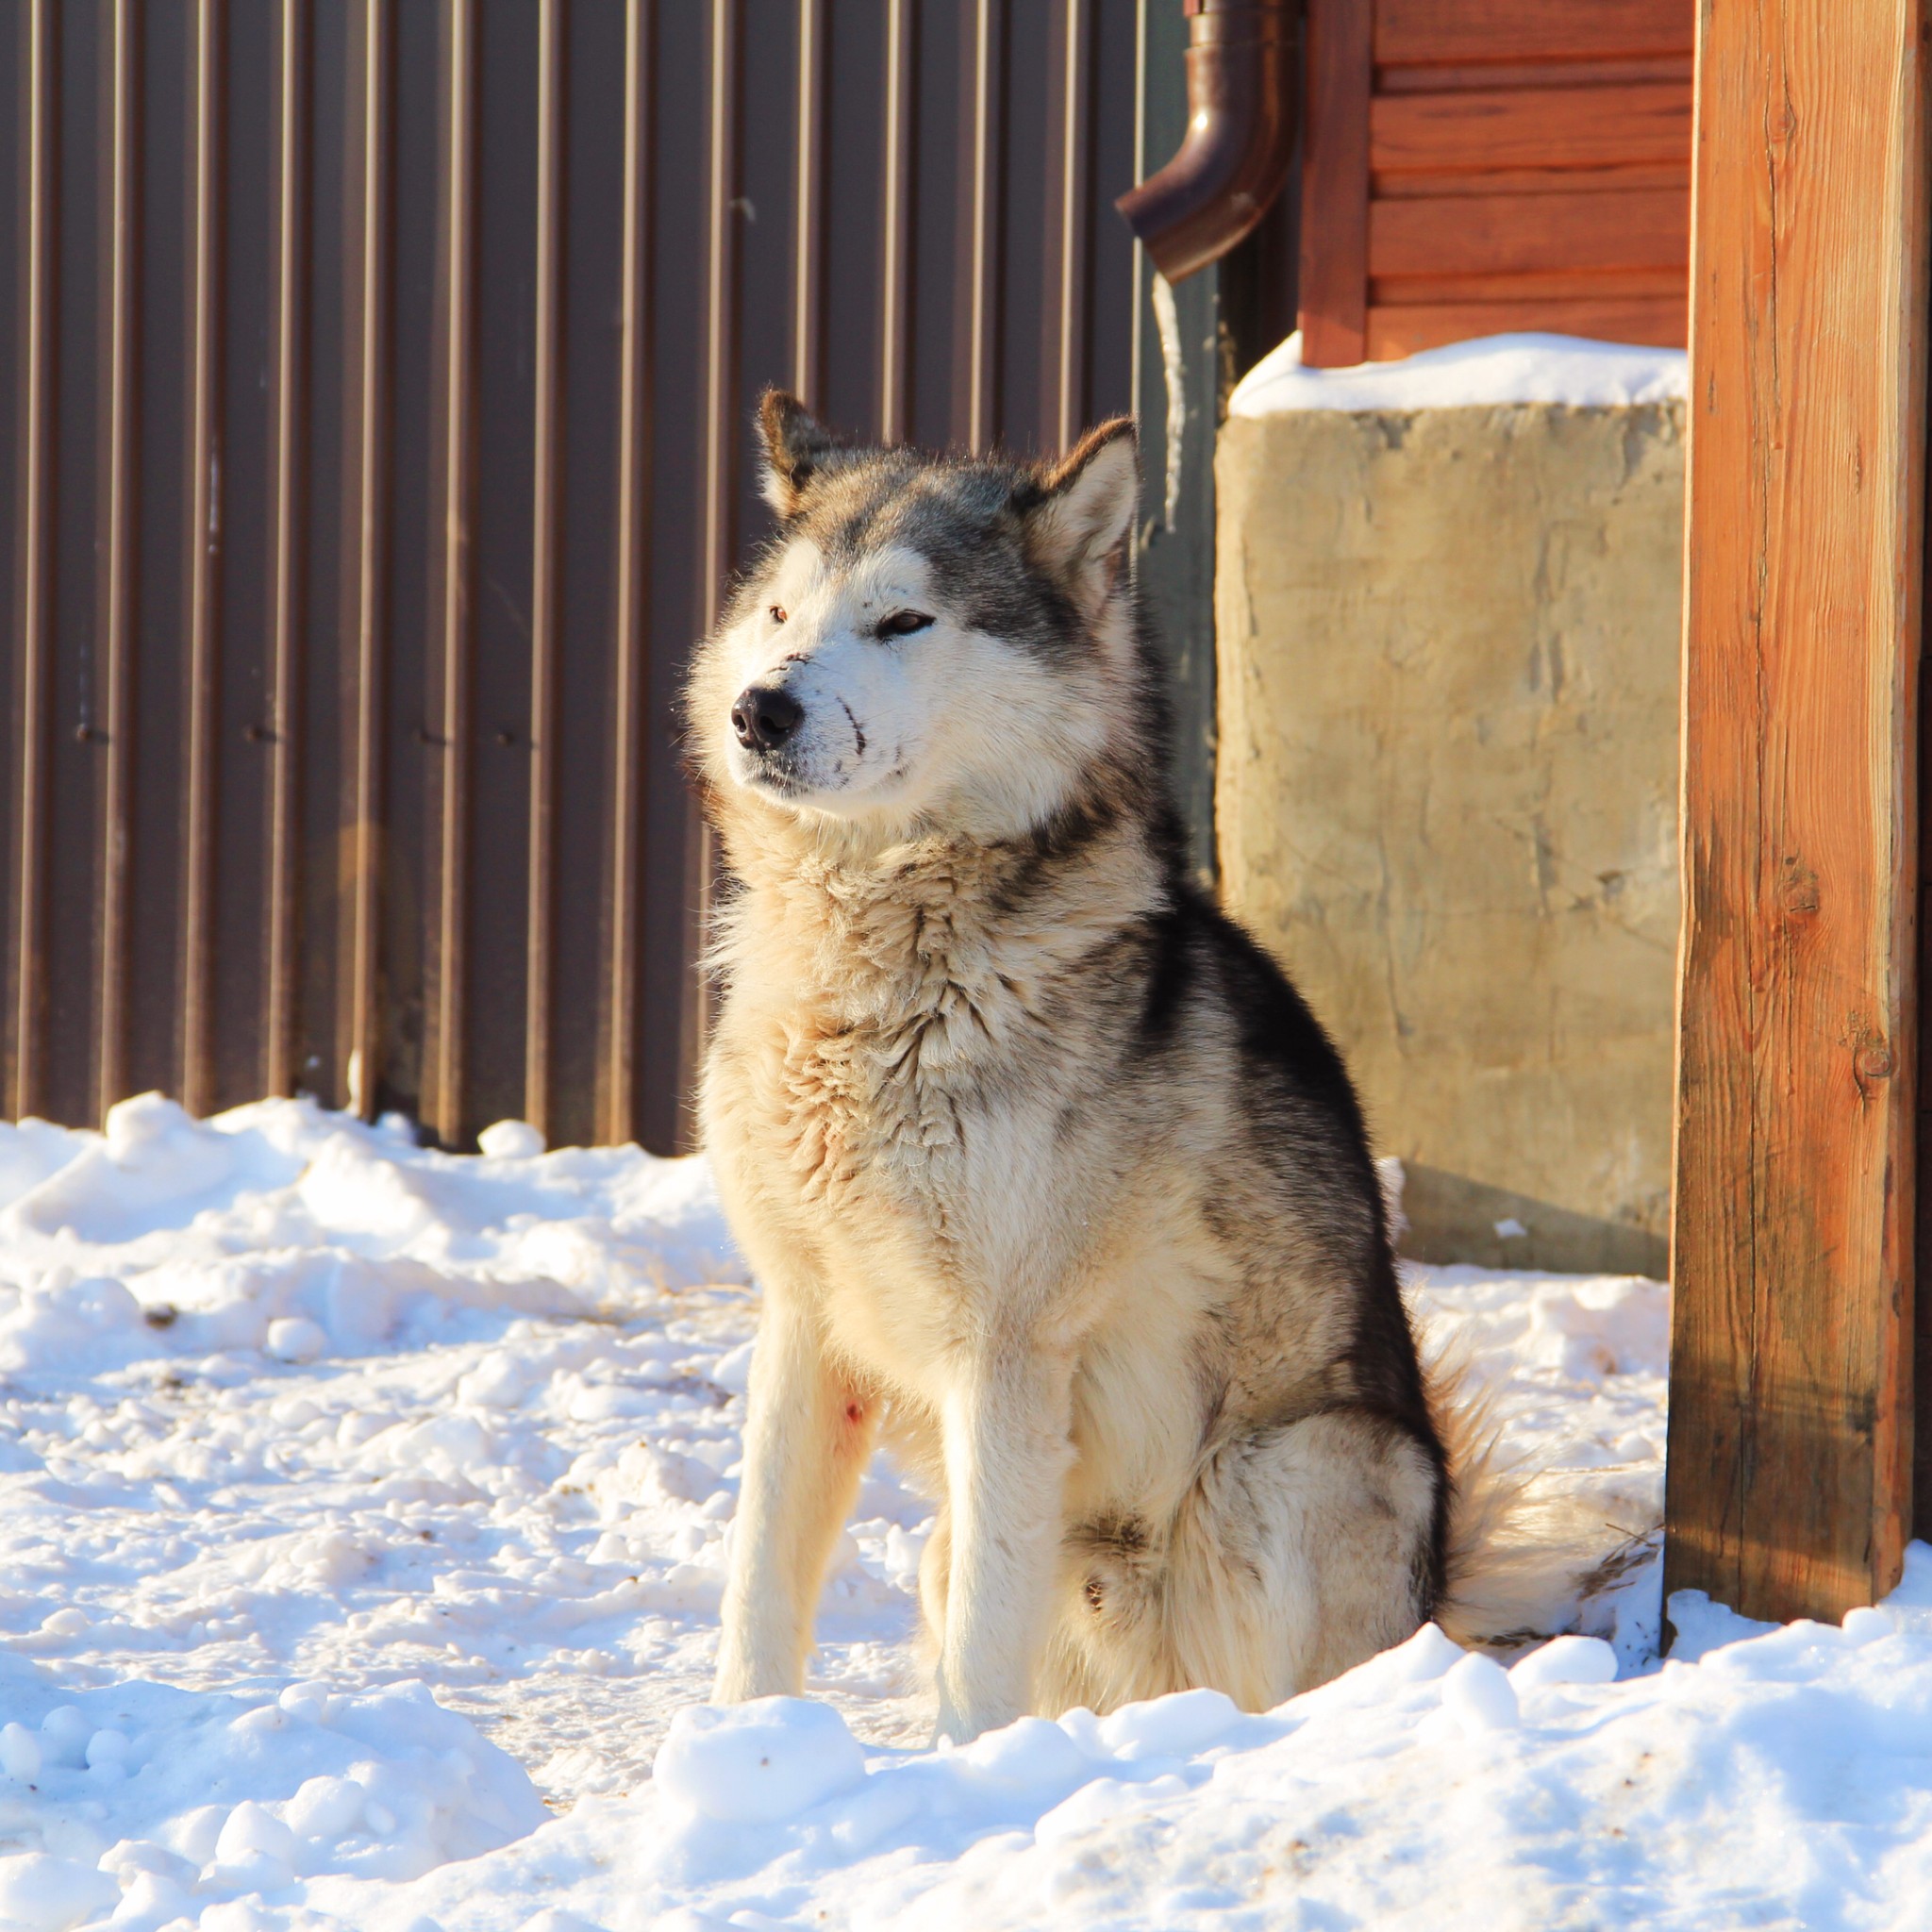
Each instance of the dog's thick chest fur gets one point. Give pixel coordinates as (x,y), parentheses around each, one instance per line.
(889,1090)
(874,1065)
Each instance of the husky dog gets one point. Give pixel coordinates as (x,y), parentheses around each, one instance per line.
(1044,1167)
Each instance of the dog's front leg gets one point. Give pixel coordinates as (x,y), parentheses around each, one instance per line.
(1006,1446)
(807,1435)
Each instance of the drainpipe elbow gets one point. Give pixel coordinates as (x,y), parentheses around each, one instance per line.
(1240,134)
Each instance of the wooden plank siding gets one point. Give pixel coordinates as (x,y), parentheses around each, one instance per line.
(1445,32)
(1482,165)
(1791,1417)
(1416,139)
(1563,234)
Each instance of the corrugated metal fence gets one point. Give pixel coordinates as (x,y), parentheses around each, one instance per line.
(380,376)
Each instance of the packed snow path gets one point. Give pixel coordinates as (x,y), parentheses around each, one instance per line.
(366,1513)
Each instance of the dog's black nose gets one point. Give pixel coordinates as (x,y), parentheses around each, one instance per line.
(764,717)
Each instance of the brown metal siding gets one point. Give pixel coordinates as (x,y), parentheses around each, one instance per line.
(378,379)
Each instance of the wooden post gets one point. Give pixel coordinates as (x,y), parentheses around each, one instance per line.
(1791,1430)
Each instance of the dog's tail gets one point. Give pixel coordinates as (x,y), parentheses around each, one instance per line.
(1494,1588)
(1520,1560)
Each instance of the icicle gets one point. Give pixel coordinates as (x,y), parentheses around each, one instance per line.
(1168,318)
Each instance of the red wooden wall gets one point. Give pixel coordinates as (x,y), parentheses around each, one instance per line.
(1473,166)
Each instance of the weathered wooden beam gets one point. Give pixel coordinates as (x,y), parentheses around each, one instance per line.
(1791,1430)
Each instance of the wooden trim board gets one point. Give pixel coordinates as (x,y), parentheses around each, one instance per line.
(1335,184)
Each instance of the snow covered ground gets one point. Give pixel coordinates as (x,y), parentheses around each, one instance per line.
(365,1513)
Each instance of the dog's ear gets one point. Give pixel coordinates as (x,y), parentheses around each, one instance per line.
(1077,524)
(796,446)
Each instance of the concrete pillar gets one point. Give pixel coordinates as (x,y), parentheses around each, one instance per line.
(1448,646)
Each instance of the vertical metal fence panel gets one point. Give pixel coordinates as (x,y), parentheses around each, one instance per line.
(414,758)
(808,202)
(377,401)
(1064,349)
(623,990)
(237,544)
(286,537)
(445,760)
(125,222)
(364,540)
(937,307)
(677,83)
(1028,190)
(1105,265)
(763,223)
(19,783)
(151,713)
(594,721)
(983,68)
(725,210)
(897,187)
(851,312)
(26,343)
(201,542)
(68,1011)
(320,848)
(546,508)
(496,889)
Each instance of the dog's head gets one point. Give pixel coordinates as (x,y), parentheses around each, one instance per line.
(926,641)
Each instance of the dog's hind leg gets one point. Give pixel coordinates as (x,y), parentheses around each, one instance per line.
(808,1434)
(1300,1550)
(1303,1550)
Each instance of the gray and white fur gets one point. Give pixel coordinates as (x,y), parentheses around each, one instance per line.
(1045,1169)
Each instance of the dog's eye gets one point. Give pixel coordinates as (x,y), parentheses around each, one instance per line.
(776,613)
(902,623)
